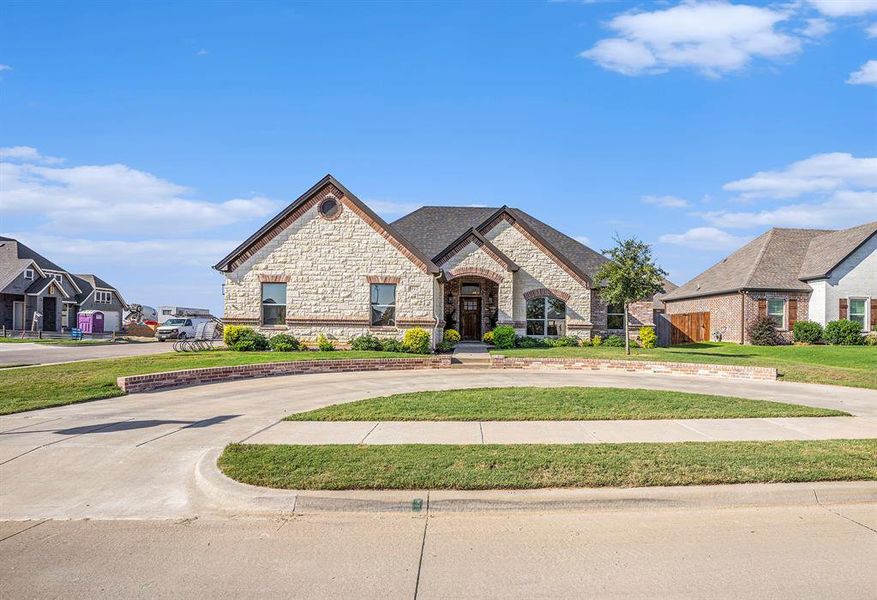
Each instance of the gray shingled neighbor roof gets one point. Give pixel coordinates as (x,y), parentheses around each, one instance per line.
(779,259)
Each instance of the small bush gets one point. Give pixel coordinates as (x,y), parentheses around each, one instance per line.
(614,341)
(807,332)
(416,341)
(452,337)
(366,342)
(763,332)
(324,344)
(596,341)
(504,337)
(248,340)
(283,342)
(444,346)
(843,332)
(524,341)
(393,345)
(647,337)
(871,339)
(231,333)
(487,338)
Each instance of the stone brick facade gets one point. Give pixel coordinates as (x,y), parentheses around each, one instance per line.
(156,381)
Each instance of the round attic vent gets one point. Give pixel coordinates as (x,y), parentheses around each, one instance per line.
(330,208)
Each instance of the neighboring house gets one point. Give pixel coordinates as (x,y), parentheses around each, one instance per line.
(788,275)
(328,264)
(30,283)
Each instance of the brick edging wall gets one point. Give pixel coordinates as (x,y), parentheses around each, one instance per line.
(636,366)
(156,381)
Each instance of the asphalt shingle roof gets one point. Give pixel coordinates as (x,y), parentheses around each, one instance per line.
(433,228)
(827,251)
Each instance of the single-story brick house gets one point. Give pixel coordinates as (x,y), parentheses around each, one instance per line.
(328,264)
(32,284)
(787,274)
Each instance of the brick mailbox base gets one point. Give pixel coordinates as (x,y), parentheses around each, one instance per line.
(635,366)
(170,379)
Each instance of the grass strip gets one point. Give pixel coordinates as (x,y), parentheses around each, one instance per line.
(57,385)
(477,467)
(555,404)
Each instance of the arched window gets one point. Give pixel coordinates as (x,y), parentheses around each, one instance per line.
(546,317)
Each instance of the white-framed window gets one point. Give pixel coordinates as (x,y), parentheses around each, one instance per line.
(383,304)
(859,312)
(57,277)
(615,316)
(776,312)
(103,297)
(546,317)
(29,274)
(273,304)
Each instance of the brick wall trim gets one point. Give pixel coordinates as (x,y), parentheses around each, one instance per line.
(546,293)
(273,278)
(475,272)
(383,279)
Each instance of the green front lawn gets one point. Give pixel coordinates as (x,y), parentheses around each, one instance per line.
(55,385)
(854,366)
(426,466)
(554,404)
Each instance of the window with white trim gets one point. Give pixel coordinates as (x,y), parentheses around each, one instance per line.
(776,312)
(546,317)
(615,316)
(383,304)
(102,297)
(273,304)
(29,274)
(859,312)
(57,277)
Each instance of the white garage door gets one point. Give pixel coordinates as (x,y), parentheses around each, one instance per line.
(112,321)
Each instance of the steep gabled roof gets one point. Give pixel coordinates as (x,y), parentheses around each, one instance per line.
(827,251)
(273,227)
(27,253)
(474,236)
(88,282)
(773,261)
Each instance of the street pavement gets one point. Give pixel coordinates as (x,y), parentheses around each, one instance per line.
(28,353)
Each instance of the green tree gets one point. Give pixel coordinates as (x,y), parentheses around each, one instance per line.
(630,275)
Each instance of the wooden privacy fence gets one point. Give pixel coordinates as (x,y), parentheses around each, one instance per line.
(689,327)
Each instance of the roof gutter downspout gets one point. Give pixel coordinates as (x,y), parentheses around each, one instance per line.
(742,318)
(435,316)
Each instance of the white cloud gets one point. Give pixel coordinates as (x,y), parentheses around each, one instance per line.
(582,239)
(844,208)
(5,68)
(712,37)
(389,209)
(26,154)
(113,199)
(816,28)
(845,8)
(820,173)
(704,238)
(871,30)
(867,75)
(202,52)
(665,201)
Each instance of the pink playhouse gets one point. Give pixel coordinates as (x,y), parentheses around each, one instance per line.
(91,321)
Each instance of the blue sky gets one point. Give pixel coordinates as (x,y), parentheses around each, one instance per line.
(143,141)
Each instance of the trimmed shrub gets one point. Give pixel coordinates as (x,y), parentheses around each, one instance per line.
(843,332)
(504,337)
(324,344)
(567,341)
(808,332)
(523,341)
(248,340)
(487,338)
(596,341)
(647,337)
(283,342)
(452,337)
(231,333)
(393,345)
(614,341)
(366,341)
(444,346)
(763,332)
(871,339)
(416,341)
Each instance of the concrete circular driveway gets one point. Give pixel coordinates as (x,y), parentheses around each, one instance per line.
(136,456)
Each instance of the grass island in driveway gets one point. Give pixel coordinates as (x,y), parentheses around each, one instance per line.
(554,404)
(854,366)
(532,466)
(32,388)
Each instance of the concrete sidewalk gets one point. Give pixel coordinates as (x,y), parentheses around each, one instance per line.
(566,432)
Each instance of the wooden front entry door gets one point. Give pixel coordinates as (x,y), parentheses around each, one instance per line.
(470,319)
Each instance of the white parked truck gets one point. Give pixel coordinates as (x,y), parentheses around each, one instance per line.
(179,328)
